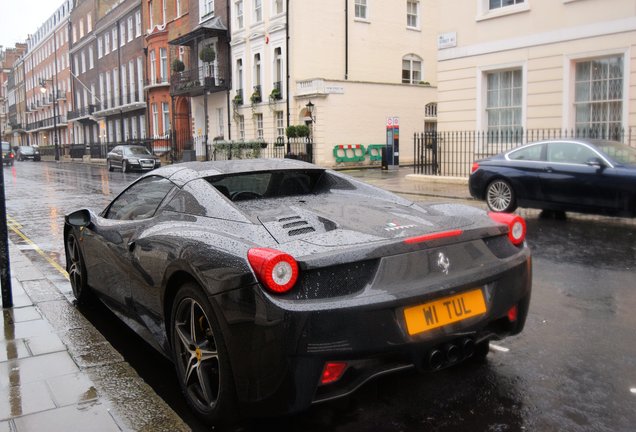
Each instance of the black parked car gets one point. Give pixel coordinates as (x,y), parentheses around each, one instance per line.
(28,152)
(8,157)
(131,157)
(590,176)
(275,284)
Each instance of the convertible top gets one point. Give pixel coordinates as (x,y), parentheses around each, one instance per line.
(182,173)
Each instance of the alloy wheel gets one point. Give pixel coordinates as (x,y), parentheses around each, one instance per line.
(197,354)
(76,267)
(500,197)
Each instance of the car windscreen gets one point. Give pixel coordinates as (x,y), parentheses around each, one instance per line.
(136,151)
(26,150)
(267,184)
(619,152)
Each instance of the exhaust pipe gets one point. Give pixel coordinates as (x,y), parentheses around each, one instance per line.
(436,359)
(453,353)
(468,347)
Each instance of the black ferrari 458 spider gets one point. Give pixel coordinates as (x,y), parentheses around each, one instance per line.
(275,284)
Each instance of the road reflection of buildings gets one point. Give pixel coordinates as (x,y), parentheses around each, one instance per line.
(105,183)
(11,350)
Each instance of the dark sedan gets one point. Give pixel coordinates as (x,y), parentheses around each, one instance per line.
(275,284)
(588,176)
(8,157)
(131,157)
(28,152)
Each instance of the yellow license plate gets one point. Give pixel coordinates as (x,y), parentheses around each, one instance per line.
(444,311)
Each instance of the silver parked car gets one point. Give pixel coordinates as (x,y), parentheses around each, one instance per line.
(131,157)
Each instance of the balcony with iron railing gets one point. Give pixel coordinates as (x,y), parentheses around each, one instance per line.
(81,113)
(47,123)
(196,82)
(125,102)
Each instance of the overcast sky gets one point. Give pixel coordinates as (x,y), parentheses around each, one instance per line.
(19,18)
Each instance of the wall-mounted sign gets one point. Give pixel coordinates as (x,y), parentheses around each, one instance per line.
(447,40)
(334,89)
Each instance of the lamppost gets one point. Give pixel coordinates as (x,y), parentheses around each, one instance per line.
(55,140)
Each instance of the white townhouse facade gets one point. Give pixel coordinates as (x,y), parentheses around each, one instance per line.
(359,62)
(506,65)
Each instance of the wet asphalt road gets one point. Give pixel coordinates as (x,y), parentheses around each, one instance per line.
(572,369)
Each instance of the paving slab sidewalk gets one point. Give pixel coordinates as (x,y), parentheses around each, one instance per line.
(58,373)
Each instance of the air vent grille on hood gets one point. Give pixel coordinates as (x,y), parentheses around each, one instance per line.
(295,225)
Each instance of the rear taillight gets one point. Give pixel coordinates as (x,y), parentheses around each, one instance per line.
(332,372)
(11,156)
(513,314)
(516,226)
(474,168)
(276,270)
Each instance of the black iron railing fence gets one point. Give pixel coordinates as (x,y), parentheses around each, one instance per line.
(451,153)
(173,145)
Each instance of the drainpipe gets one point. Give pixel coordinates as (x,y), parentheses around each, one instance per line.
(346,77)
(287,57)
(119,90)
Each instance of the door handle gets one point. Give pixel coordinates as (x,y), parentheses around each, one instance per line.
(548,169)
(131,246)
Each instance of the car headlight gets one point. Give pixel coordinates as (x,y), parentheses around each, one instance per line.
(133,160)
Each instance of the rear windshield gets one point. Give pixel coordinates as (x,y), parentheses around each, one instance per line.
(5,147)
(268,184)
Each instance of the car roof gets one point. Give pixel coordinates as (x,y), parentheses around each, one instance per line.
(182,173)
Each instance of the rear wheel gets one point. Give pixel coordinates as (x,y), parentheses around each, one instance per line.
(500,197)
(77,270)
(200,357)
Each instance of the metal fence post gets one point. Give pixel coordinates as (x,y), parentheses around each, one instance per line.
(5,263)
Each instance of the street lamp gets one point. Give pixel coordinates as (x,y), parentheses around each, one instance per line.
(310,111)
(43,89)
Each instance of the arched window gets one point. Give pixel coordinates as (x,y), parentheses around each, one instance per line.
(411,69)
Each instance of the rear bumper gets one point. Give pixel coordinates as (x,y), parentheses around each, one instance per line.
(278,350)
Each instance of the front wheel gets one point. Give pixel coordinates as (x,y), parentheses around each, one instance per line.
(77,270)
(500,197)
(201,358)
(109,165)
(124,166)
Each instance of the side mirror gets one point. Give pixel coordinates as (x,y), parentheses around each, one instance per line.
(79,218)
(595,162)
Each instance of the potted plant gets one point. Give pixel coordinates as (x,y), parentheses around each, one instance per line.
(302,131)
(178,65)
(256,96)
(275,94)
(207,54)
(238,99)
(291,131)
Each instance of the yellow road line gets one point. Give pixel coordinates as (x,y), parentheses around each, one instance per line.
(15,226)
